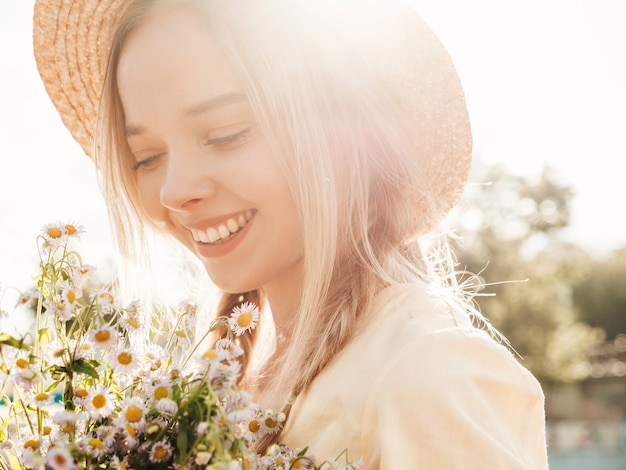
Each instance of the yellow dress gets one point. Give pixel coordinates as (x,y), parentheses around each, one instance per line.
(421,388)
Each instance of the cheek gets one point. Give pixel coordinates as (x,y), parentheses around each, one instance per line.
(149,193)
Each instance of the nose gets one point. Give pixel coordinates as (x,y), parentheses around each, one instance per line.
(186,182)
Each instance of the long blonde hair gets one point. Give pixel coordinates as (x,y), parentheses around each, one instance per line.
(343,143)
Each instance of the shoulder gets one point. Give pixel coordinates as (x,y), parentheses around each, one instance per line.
(446,390)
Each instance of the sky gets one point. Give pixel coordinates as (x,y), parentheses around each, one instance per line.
(545,83)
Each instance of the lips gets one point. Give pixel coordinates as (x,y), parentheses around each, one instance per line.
(224,231)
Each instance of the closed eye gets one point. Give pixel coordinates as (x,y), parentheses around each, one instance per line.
(148,163)
(226,142)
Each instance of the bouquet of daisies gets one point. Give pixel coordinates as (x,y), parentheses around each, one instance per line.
(79,392)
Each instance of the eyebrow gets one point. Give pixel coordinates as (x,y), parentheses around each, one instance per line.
(196,110)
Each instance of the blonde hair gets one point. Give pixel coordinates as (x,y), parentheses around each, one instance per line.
(343,143)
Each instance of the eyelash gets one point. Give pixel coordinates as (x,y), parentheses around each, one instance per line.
(217,141)
(229,139)
(146,161)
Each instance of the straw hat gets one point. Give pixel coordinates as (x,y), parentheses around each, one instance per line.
(72,40)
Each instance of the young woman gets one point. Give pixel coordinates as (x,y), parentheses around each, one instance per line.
(300,149)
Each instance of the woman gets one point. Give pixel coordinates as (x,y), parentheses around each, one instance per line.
(300,150)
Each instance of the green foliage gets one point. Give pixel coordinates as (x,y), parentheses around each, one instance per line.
(600,294)
(509,231)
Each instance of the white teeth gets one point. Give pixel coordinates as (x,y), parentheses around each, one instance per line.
(232,225)
(223,231)
(213,235)
(201,235)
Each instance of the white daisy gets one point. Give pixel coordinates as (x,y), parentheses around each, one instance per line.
(103,338)
(106,301)
(161,451)
(79,273)
(124,361)
(166,406)
(100,402)
(243,318)
(70,293)
(59,458)
(133,413)
(54,235)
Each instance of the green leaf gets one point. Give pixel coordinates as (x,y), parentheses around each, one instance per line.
(182,441)
(44,335)
(9,340)
(88,368)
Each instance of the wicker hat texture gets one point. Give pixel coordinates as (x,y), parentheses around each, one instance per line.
(72,41)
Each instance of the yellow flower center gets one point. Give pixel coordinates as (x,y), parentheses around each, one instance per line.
(107,297)
(31,444)
(60,460)
(210,354)
(96,443)
(71,296)
(124,358)
(99,401)
(41,396)
(67,428)
(47,430)
(21,363)
(81,393)
(54,232)
(134,414)
(161,453)
(244,319)
(71,230)
(130,430)
(102,335)
(132,322)
(271,423)
(254,426)
(160,392)
(297,464)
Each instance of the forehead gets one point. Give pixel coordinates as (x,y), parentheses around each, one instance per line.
(172,53)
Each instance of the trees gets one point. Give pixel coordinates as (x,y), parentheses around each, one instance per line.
(508,232)
(599,293)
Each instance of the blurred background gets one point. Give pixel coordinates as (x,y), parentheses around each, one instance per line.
(542,219)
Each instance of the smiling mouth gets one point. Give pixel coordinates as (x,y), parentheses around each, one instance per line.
(224,231)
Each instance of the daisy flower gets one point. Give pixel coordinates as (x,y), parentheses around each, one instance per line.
(161,451)
(106,300)
(79,273)
(231,349)
(67,420)
(26,297)
(103,338)
(70,293)
(59,458)
(100,402)
(166,406)
(59,309)
(133,413)
(42,399)
(159,388)
(124,361)
(54,234)
(92,446)
(73,230)
(244,318)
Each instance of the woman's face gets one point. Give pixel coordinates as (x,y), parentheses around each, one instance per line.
(205,169)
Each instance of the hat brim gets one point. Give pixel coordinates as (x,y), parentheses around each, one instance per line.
(72,40)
